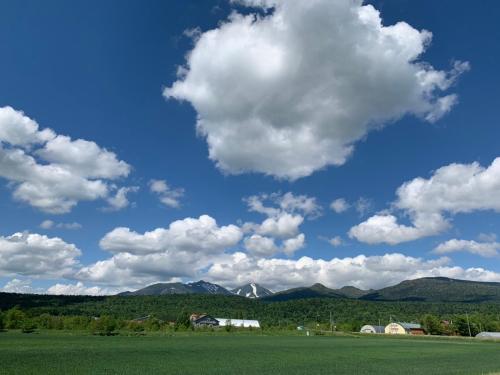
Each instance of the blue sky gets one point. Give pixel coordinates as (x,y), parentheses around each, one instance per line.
(106,73)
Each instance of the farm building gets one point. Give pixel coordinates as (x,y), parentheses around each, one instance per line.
(203,320)
(244,323)
(489,335)
(372,329)
(404,329)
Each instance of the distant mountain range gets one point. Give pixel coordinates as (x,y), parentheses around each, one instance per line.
(438,289)
(428,289)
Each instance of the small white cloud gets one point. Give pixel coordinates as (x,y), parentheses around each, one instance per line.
(71,226)
(49,224)
(363,206)
(487,237)
(120,200)
(276,204)
(335,241)
(339,205)
(484,249)
(170,197)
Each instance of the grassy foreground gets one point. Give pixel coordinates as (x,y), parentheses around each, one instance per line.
(65,353)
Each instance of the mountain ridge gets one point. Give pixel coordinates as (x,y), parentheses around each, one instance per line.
(438,289)
(198,287)
(426,289)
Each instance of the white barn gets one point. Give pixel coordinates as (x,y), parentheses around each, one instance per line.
(367,328)
(244,323)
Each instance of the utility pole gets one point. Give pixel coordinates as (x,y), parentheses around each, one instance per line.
(468,324)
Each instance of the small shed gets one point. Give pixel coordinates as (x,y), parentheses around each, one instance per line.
(244,323)
(372,329)
(403,328)
(488,335)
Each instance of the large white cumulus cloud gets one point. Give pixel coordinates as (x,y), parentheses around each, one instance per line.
(52,172)
(452,189)
(31,254)
(291,92)
(191,234)
(181,250)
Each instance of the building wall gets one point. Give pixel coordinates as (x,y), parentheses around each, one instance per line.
(238,323)
(367,329)
(417,331)
(395,329)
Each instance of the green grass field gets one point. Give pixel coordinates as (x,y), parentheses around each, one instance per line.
(66,353)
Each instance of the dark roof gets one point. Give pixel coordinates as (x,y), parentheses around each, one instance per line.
(206,317)
(410,325)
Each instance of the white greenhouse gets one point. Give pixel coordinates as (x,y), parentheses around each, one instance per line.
(489,335)
(372,329)
(244,323)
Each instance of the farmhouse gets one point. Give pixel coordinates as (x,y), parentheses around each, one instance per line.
(372,329)
(404,329)
(244,323)
(203,320)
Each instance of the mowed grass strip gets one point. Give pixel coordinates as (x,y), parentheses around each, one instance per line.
(61,353)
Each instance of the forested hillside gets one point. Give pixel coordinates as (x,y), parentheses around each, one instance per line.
(284,313)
